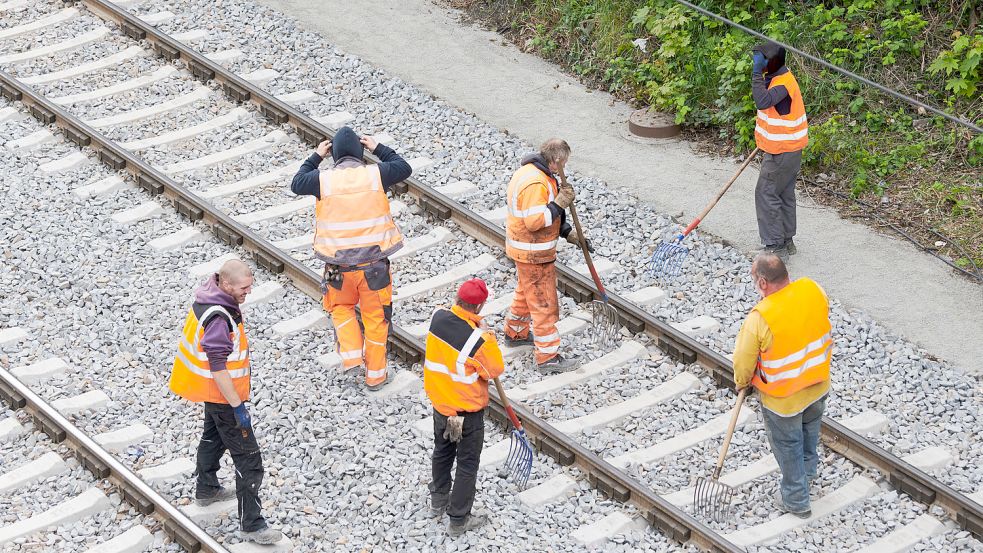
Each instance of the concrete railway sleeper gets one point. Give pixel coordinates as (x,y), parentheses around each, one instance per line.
(674,340)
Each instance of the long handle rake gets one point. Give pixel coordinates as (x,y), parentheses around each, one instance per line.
(667,260)
(711,497)
(519,462)
(604,317)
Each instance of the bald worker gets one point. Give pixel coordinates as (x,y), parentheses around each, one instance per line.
(784,350)
(212,367)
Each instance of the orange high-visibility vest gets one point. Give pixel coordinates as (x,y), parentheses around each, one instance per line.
(460,360)
(777,134)
(191,377)
(802,344)
(353,224)
(530,231)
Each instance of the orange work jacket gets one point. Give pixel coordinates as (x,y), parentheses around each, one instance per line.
(353,224)
(460,360)
(802,345)
(191,377)
(777,134)
(531,232)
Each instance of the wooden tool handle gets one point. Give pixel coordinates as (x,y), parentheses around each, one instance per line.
(508,408)
(720,193)
(730,432)
(583,245)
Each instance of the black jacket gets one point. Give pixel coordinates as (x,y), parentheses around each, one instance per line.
(765,97)
(347,151)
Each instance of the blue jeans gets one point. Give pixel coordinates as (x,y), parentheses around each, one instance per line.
(793,441)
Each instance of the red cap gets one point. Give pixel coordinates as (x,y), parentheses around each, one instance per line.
(473,291)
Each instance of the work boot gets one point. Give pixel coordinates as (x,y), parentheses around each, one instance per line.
(780,251)
(377,387)
(469,523)
(265,536)
(222,494)
(516,342)
(780,503)
(438,503)
(558,364)
(790,246)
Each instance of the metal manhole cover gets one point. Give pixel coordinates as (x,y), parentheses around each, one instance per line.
(652,124)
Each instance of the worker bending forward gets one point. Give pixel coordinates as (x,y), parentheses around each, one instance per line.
(781,131)
(536,220)
(354,234)
(212,367)
(461,357)
(784,350)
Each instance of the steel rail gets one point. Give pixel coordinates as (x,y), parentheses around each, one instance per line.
(104,465)
(671,520)
(916,483)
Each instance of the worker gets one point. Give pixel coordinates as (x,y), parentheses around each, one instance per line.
(212,367)
(784,349)
(354,234)
(461,357)
(536,220)
(781,131)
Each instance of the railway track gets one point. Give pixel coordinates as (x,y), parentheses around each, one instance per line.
(654,351)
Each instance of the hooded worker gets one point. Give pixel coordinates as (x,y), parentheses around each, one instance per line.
(535,222)
(781,131)
(354,234)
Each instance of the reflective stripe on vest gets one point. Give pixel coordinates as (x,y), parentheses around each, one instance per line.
(542,246)
(775,133)
(191,375)
(802,344)
(353,223)
(451,374)
(522,244)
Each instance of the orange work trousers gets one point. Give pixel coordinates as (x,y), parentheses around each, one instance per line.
(370,288)
(536,301)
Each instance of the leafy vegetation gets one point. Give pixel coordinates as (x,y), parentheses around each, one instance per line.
(917,167)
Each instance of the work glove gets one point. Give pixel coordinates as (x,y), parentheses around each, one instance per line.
(243,420)
(576,240)
(454,429)
(759,62)
(565,196)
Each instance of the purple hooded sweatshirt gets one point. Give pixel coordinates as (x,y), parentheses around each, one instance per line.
(216,341)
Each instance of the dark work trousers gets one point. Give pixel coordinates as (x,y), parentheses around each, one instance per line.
(467,452)
(220,435)
(774,197)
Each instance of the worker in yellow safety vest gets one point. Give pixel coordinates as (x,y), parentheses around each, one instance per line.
(784,349)
(535,221)
(212,367)
(462,356)
(781,131)
(354,234)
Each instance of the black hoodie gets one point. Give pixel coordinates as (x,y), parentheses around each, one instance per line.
(347,151)
(765,97)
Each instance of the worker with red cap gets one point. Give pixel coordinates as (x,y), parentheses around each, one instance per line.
(462,356)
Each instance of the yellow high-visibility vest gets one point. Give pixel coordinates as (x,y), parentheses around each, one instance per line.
(191,377)
(802,344)
(353,223)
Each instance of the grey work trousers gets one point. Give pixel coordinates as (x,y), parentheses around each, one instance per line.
(774,197)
